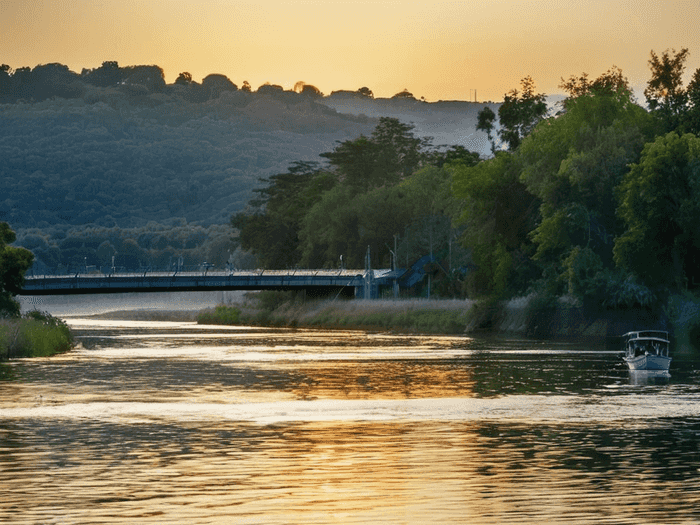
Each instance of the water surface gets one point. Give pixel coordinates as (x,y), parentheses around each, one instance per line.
(177,423)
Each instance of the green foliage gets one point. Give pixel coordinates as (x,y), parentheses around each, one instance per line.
(226,315)
(14,262)
(485,123)
(419,316)
(485,314)
(272,231)
(664,92)
(36,335)
(520,113)
(172,244)
(391,154)
(622,291)
(660,205)
(610,83)
(572,164)
(497,214)
(539,313)
(417,211)
(387,192)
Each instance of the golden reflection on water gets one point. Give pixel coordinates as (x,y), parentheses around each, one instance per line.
(171,423)
(330,472)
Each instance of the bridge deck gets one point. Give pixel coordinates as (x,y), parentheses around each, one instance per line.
(93,283)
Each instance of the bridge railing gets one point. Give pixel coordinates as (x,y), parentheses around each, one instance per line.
(195,273)
(209,280)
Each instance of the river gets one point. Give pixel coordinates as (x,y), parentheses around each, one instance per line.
(171,422)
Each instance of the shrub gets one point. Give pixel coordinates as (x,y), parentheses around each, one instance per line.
(37,334)
(220,315)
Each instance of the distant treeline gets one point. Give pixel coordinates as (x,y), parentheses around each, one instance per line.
(57,80)
(156,246)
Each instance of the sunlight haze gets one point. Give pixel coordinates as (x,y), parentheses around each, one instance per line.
(439,50)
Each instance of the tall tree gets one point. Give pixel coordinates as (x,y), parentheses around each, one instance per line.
(389,155)
(518,115)
(14,262)
(573,165)
(271,229)
(520,112)
(497,213)
(485,122)
(664,92)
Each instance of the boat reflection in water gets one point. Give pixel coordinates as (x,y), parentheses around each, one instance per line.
(649,377)
(647,350)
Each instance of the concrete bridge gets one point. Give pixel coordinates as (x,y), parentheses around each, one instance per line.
(357,283)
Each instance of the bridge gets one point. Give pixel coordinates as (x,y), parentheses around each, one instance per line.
(357,283)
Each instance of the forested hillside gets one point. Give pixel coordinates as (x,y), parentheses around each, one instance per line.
(116,149)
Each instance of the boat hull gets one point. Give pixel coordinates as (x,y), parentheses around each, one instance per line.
(648,362)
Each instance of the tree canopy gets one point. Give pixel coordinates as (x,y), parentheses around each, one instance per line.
(14,262)
(660,205)
(520,112)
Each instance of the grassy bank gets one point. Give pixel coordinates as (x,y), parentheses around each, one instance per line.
(528,316)
(287,309)
(36,334)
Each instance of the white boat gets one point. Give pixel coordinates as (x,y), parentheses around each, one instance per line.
(647,350)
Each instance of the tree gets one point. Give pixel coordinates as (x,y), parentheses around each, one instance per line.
(441,156)
(344,222)
(664,92)
(108,74)
(692,121)
(572,164)
(609,83)
(365,92)
(520,113)
(485,123)
(401,152)
(184,78)
(497,213)
(405,94)
(14,262)
(391,153)
(213,85)
(660,204)
(271,230)
(303,88)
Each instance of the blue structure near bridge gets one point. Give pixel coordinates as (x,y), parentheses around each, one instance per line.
(349,283)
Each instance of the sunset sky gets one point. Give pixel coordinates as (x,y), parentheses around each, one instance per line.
(438,49)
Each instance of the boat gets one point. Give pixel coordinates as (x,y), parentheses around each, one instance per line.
(647,350)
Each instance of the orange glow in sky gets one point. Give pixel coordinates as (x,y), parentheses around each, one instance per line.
(437,49)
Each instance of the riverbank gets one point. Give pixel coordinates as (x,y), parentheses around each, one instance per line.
(35,334)
(526,316)
(443,316)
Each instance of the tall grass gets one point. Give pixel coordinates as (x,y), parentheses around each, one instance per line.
(34,335)
(447,317)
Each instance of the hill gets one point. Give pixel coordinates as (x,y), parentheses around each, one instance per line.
(115,153)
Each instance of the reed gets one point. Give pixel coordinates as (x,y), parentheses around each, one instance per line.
(446,316)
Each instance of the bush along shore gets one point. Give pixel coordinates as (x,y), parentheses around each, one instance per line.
(532,316)
(35,334)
